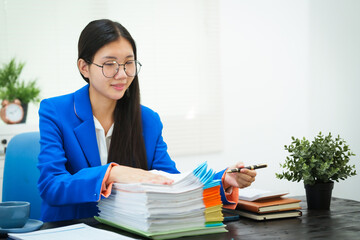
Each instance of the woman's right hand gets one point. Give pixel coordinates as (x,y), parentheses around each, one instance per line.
(124,174)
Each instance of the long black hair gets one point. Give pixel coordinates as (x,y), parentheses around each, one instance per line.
(127,143)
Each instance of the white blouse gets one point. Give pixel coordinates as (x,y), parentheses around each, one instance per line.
(102,140)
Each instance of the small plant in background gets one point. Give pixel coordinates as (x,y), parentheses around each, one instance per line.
(323,160)
(11,87)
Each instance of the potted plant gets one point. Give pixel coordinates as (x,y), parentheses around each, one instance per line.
(16,91)
(318,164)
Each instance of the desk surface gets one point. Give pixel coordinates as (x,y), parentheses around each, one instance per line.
(341,222)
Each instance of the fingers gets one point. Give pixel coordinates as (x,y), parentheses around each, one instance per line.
(148,177)
(124,174)
(242,179)
(249,172)
(156,179)
(246,177)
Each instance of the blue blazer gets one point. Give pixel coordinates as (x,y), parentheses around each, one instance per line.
(71,173)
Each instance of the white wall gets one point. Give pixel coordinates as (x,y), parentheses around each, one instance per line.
(334,89)
(264,64)
(288,68)
(29,31)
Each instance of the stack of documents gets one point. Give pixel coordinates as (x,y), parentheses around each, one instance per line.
(163,211)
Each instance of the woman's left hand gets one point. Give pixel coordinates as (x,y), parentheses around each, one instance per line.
(241,179)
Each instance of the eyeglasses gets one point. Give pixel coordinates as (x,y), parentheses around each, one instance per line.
(111,68)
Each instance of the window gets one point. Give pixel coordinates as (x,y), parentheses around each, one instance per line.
(178,46)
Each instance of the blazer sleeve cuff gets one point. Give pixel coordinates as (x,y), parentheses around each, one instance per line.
(106,189)
(229,199)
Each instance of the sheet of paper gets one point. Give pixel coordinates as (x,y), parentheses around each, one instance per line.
(252,194)
(183,182)
(79,231)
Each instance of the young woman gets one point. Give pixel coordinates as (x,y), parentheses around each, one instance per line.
(100,134)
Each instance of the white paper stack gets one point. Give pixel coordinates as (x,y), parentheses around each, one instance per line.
(157,210)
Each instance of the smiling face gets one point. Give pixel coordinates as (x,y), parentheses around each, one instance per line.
(103,88)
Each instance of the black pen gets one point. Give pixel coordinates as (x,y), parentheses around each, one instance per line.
(252,167)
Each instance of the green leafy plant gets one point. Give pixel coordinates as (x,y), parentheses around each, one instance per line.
(12,88)
(323,160)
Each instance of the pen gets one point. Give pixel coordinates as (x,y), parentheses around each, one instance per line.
(252,167)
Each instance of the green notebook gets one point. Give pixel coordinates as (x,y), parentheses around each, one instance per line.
(168,234)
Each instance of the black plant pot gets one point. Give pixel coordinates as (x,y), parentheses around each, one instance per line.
(318,196)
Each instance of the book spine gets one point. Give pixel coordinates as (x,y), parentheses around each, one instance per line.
(247,207)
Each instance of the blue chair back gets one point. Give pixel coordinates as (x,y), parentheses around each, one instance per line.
(21,173)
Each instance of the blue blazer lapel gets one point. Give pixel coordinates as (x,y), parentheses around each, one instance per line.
(85,132)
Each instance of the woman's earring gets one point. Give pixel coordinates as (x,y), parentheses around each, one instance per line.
(127,92)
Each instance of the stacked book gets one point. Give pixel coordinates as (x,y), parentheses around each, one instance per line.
(261,205)
(166,211)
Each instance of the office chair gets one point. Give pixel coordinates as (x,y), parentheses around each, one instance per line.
(20,171)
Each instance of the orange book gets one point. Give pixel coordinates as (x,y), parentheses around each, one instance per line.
(269,205)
